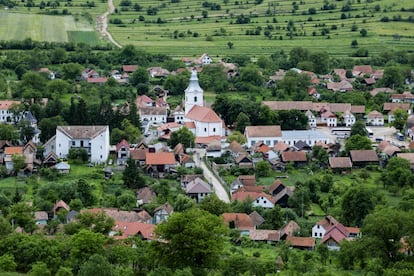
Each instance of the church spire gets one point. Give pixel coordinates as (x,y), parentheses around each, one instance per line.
(193,93)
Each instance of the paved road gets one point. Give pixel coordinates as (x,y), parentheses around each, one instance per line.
(209,176)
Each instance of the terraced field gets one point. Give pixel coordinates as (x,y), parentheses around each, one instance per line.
(182,28)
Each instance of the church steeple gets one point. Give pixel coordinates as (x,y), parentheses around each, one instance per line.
(193,93)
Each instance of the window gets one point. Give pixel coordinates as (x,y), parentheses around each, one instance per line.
(265,202)
(81,143)
(316,234)
(214,129)
(320,234)
(73,143)
(205,129)
(257,201)
(195,99)
(318,226)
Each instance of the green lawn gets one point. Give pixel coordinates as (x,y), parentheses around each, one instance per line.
(18,26)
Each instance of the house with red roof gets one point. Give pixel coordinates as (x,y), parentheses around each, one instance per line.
(258,199)
(125,230)
(337,233)
(6,115)
(304,243)
(158,163)
(123,152)
(129,68)
(239,221)
(320,228)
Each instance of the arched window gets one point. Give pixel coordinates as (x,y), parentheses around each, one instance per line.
(195,99)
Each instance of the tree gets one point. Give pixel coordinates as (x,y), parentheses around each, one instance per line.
(400,119)
(139,76)
(18,162)
(214,205)
(356,203)
(57,87)
(397,173)
(5,227)
(7,263)
(183,203)
(363,32)
(27,132)
(384,242)
(357,142)
(393,77)
(354,43)
(230,45)
(21,214)
(8,132)
(96,265)
(84,192)
(195,238)
(236,136)
(84,244)
(359,128)
(319,153)
(71,71)
(39,269)
(183,136)
(48,127)
(132,176)
(242,121)
(262,168)
(292,120)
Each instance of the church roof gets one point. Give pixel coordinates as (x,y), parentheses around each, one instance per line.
(203,114)
(193,86)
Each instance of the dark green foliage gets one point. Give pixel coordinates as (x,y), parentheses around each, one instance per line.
(132,176)
(183,136)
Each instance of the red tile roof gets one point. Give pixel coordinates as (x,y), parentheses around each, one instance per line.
(340,162)
(241,221)
(301,242)
(263,131)
(363,156)
(7,104)
(207,140)
(294,156)
(160,158)
(13,150)
(131,229)
(122,143)
(242,196)
(129,68)
(203,114)
(392,106)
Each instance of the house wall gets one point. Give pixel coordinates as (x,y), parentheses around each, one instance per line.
(349,120)
(204,129)
(318,231)
(158,119)
(270,141)
(375,121)
(62,144)
(5,116)
(263,202)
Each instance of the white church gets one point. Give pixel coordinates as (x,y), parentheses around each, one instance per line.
(201,120)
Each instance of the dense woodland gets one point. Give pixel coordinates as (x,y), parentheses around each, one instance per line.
(194,241)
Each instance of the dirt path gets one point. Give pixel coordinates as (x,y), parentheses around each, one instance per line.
(102,24)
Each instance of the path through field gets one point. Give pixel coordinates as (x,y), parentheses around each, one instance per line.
(102,24)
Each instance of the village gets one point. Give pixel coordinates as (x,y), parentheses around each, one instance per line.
(255,168)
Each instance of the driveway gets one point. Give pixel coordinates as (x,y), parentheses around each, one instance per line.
(209,176)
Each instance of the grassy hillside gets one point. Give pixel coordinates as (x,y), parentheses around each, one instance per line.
(180,28)
(223,27)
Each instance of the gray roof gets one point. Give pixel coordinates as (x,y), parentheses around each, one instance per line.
(197,186)
(193,86)
(303,135)
(62,166)
(82,132)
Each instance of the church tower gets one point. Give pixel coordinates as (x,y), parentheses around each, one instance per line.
(193,93)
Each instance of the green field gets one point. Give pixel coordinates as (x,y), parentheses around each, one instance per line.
(175,36)
(19,26)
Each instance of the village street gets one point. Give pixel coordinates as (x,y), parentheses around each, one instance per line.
(209,176)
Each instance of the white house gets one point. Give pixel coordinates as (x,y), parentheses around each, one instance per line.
(329,119)
(270,135)
(374,118)
(153,114)
(320,228)
(198,189)
(349,118)
(6,116)
(310,137)
(311,118)
(94,139)
(264,200)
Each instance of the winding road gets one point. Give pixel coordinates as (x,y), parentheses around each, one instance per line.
(102,24)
